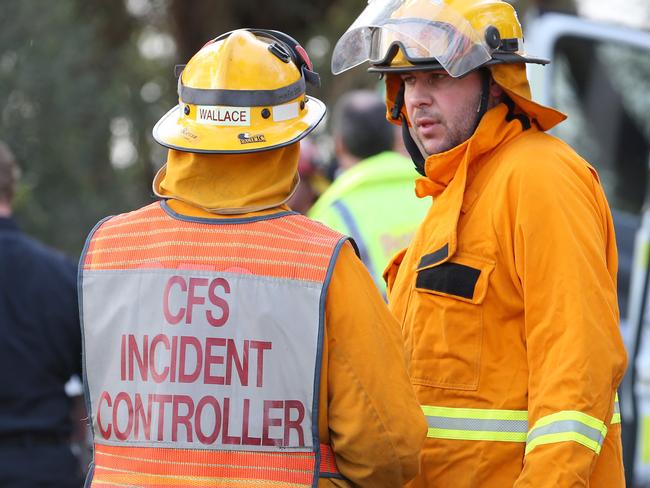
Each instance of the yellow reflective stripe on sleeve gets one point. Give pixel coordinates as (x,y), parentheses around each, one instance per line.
(565,426)
(476,424)
(564,437)
(616,418)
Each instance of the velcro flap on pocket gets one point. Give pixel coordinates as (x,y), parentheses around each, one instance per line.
(463,277)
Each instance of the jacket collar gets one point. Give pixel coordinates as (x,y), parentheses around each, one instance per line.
(493,130)
(448,175)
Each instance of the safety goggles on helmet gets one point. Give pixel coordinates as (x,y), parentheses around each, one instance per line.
(424,31)
(405,35)
(244,91)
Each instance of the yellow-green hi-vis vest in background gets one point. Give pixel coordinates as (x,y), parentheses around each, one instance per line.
(374,202)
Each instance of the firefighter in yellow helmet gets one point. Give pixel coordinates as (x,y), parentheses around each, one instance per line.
(507,293)
(229,341)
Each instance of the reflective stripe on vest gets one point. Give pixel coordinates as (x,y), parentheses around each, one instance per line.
(149,467)
(616,418)
(475,424)
(202,349)
(356,235)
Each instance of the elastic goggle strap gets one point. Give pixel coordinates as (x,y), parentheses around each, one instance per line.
(241,98)
(282,43)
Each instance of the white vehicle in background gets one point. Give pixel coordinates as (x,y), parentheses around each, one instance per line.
(600,76)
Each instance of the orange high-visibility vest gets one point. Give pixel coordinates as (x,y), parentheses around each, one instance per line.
(202,349)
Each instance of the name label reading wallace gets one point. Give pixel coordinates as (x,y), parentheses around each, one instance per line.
(220,115)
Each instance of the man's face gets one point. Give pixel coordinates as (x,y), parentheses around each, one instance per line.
(442,110)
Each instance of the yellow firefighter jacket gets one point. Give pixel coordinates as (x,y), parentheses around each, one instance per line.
(507,301)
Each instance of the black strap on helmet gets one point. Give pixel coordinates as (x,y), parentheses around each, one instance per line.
(285,45)
(297,52)
(409,143)
(485,96)
(399,103)
(412,148)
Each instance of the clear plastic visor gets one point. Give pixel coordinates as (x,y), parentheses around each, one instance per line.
(424,30)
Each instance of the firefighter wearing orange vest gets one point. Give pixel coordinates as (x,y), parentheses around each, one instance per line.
(229,341)
(507,293)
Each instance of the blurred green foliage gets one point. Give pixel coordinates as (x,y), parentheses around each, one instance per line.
(78,90)
(62,81)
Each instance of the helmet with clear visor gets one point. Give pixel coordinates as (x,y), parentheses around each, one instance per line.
(458,36)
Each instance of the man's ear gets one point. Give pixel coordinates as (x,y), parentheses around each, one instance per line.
(496,91)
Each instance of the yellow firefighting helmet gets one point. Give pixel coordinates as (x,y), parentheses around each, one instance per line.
(458,36)
(243,92)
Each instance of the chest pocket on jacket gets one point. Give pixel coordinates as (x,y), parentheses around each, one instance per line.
(448,311)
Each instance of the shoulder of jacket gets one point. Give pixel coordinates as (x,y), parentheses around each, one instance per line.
(541,155)
(311,232)
(148,211)
(24,247)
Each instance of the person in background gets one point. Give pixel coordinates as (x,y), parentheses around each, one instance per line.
(372,198)
(312,178)
(229,341)
(40,349)
(507,293)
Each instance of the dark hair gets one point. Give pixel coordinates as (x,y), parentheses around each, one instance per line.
(360,121)
(9,174)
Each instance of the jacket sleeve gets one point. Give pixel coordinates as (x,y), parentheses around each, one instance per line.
(565,259)
(376,427)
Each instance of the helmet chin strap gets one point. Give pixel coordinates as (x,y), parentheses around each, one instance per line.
(417,155)
(485,96)
(415,150)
